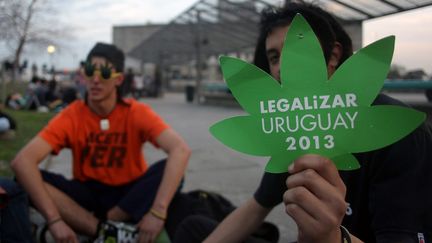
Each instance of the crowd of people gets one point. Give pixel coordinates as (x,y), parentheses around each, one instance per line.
(115,196)
(42,95)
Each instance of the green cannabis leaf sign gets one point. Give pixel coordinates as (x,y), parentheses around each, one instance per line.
(309,113)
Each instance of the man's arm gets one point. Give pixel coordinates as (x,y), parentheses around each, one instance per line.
(178,155)
(239,224)
(25,166)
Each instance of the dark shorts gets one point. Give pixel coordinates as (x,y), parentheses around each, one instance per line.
(135,198)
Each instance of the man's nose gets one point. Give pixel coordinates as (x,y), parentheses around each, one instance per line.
(96,78)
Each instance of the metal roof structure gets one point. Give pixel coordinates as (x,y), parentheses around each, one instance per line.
(213,27)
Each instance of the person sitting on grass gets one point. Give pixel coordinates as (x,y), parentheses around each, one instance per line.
(7,125)
(112,181)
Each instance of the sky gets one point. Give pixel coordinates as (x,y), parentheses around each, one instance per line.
(92,21)
(413,47)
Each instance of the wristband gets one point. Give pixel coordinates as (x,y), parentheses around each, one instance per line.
(345,235)
(48,224)
(158,214)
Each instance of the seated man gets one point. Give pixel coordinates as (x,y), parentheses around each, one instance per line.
(111,179)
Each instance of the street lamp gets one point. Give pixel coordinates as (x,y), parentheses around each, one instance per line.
(51,49)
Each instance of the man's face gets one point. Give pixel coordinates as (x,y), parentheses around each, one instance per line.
(98,87)
(274,44)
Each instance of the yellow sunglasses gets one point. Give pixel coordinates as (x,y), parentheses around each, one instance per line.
(103,72)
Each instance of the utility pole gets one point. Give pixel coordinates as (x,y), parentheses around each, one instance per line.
(199,65)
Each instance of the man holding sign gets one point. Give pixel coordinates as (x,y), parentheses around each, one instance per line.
(380,196)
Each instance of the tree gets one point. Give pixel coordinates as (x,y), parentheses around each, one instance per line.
(396,72)
(27,22)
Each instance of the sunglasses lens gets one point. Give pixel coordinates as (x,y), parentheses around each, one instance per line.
(105,73)
(89,70)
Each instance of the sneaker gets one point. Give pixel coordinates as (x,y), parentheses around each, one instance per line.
(117,232)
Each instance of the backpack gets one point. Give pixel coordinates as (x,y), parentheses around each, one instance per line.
(216,207)
(211,204)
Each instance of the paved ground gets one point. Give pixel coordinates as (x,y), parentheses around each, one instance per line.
(212,165)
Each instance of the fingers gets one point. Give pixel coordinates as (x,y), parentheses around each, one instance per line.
(149,228)
(146,237)
(63,233)
(315,198)
(311,229)
(322,165)
(69,240)
(300,215)
(309,211)
(318,186)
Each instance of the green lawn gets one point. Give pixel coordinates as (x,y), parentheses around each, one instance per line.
(29,123)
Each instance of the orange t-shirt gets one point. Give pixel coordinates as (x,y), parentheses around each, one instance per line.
(112,156)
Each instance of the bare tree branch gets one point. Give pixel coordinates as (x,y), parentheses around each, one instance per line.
(24,23)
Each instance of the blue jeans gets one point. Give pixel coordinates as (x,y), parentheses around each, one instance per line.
(15,222)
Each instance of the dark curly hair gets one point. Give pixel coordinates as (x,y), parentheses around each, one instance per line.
(325,26)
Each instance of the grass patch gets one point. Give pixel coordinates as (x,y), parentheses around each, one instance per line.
(29,123)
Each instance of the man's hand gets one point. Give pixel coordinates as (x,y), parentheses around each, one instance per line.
(315,199)
(62,233)
(149,228)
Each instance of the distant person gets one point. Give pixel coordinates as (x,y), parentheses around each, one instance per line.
(7,125)
(80,81)
(387,200)
(51,95)
(128,82)
(112,181)
(68,95)
(15,101)
(41,91)
(139,87)
(36,94)
(157,83)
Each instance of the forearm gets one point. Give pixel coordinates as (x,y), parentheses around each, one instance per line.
(238,225)
(25,166)
(173,173)
(29,177)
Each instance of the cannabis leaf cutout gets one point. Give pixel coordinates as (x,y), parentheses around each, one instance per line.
(309,113)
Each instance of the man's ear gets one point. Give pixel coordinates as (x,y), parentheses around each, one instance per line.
(119,80)
(335,57)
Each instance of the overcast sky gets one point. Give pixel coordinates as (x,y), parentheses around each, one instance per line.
(93,20)
(413,48)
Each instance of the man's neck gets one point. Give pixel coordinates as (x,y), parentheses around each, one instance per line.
(104,107)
